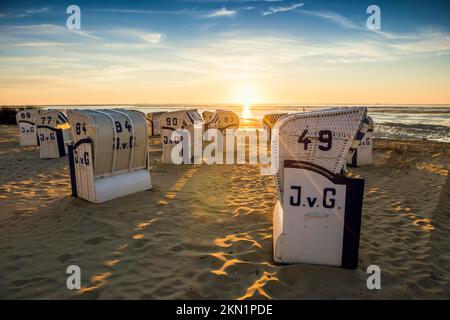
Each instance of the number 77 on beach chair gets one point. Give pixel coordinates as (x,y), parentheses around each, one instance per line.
(53,133)
(108,158)
(318,214)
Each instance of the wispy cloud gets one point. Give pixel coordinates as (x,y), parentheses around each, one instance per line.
(153,37)
(24,14)
(335,18)
(273,10)
(148,12)
(43,30)
(222,12)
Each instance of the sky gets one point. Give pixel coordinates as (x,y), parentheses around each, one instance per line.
(217,51)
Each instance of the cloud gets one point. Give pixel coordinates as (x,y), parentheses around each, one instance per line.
(138,11)
(26,13)
(153,37)
(223,12)
(334,18)
(273,10)
(43,30)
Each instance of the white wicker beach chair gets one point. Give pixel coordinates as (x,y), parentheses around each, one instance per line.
(207,116)
(53,131)
(361,155)
(224,119)
(269,121)
(26,121)
(318,215)
(189,120)
(108,157)
(323,138)
(154,120)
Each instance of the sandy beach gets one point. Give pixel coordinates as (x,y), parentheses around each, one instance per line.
(205,232)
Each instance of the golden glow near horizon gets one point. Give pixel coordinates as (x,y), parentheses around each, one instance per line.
(246,95)
(236,67)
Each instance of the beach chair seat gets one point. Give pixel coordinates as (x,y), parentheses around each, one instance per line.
(53,131)
(108,157)
(189,120)
(26,121)
(154,123)
(318,214)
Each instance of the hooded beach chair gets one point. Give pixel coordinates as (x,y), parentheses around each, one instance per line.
(108,157)
(224,119)
(53,131)
(154,119)
(226,122)
(189,120)
(269,121)
(361,151)
(318,214)
(207,117)
(26,121)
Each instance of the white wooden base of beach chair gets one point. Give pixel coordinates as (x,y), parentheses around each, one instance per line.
(87,187)
(28,136)
(51,142)
(363,153)
(318,220)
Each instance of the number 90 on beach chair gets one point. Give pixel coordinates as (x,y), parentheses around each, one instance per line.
(26,121)
(171,122)
(317,218)
(108,158)
(53,131)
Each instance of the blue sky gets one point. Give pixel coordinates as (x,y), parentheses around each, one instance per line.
(211,51)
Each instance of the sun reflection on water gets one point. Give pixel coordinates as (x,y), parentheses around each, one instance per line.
(246,111)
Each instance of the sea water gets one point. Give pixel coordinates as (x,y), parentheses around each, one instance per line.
(430,122)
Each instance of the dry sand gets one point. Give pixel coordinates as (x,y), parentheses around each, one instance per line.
(206,231)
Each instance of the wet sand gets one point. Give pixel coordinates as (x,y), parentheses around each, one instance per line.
(205,232)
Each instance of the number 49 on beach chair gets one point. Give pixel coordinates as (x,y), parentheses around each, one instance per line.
(318,216)
(108,158)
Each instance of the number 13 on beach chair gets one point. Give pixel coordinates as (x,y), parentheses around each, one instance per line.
(318,216)
(108,158)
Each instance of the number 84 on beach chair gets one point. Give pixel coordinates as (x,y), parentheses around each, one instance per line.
(318,215)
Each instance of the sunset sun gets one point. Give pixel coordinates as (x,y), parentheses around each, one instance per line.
(246,95)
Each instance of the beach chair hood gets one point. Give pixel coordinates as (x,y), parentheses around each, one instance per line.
(322,138)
